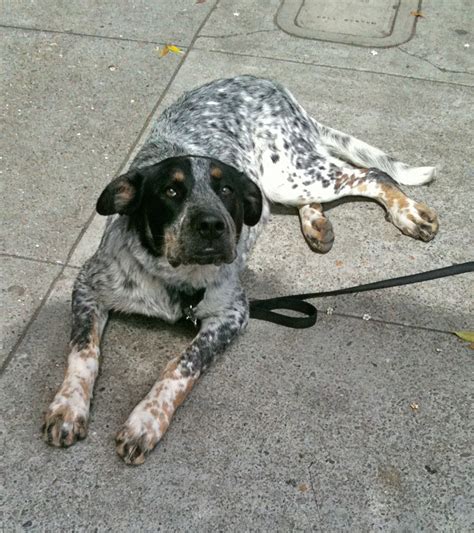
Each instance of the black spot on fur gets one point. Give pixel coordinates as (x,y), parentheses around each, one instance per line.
(129,284)
(275,158)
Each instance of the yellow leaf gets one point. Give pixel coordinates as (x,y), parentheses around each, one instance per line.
(174,49)
(417,13)
(167,48)
(465,335)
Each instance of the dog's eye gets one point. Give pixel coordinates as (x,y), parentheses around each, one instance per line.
(170,192)
(226,191)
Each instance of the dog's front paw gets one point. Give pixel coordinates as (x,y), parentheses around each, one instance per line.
(317,229)
(64,424)
(417,221)
(136,439)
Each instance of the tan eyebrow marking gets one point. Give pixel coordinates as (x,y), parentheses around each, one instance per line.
(216,172)
(178,175)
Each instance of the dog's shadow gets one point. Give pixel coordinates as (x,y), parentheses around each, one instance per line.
(279,209)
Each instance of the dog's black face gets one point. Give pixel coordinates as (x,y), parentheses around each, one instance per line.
(189,209)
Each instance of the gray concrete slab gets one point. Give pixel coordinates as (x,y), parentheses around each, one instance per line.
(73,108)
(403,120)
(23,285)
(139,20)
(436,52)
(313,431)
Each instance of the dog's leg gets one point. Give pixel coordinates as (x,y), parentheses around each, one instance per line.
(412,218)
(331,182)
(150,419)
(316,228)
(66,419)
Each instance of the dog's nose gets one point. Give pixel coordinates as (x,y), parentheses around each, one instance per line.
(211,227)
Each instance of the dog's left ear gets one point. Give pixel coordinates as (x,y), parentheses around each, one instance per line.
(253,202)
(122,195)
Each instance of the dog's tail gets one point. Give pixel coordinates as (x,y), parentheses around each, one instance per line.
(361,154)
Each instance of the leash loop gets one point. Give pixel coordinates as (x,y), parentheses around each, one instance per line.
(265,310)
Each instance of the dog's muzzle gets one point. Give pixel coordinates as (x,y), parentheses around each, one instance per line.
(211,239)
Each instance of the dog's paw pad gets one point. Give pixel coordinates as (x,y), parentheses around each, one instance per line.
(133,448)
(63,428)
(417,221)
(317,229)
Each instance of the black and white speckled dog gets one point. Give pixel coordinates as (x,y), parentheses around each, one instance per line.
(187,214)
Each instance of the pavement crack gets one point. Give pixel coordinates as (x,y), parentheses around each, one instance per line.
(441,69)
(311,484)
(243,34)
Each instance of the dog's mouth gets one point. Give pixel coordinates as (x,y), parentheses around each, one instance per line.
(206,256)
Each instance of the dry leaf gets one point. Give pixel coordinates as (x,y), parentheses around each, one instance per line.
(303,487)
(417,13)
(339,263)
(414,406)
(169,48)
(465,335)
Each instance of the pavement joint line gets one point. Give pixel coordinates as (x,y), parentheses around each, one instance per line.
(26,329)
(90,35)
(35,260)
(321,65)
(242,34)
(392,323)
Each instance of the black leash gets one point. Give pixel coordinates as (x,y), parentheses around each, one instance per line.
(265,309)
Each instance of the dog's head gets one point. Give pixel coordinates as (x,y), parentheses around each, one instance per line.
(189,209)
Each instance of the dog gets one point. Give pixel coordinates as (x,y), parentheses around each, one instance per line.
(183,220)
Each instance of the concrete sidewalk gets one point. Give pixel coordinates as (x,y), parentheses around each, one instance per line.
(290,430)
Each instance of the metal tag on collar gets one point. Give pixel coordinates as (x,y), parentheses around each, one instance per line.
(189,314)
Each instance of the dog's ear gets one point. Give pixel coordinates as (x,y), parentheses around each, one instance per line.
(122,195)
(253,202)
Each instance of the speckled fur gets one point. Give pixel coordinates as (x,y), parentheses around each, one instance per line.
(254,131)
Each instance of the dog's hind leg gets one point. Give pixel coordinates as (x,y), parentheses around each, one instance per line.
(327,182)
(316,228)
(412,218)
(67,417)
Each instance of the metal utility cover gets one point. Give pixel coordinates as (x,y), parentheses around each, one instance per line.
(374,23)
